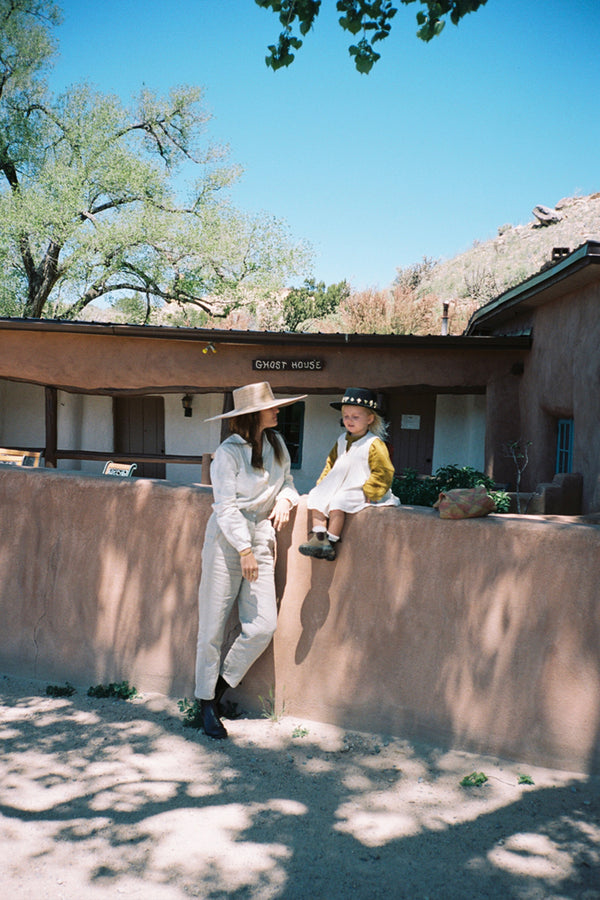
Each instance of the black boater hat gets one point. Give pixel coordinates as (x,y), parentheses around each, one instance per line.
(359,397)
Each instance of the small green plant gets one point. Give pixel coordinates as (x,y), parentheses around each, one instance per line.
(269,709)
(116,690)
(525,779)
(299,731)
(501,499)
(191,713)
(475,779)
(60,690)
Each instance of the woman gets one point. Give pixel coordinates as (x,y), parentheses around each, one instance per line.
(254,493)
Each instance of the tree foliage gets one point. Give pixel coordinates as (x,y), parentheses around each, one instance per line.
(90,198)
(302,306)
(372,18)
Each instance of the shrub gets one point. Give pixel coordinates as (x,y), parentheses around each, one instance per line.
(413,489)
(60,690)
(116,690)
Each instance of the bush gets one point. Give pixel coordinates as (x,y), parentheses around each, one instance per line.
(413,489)
(120,690)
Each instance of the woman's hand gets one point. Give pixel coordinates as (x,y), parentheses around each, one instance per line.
(249,566)
(281,513)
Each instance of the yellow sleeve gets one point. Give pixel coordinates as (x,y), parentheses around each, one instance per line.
(329,464)
(382,472)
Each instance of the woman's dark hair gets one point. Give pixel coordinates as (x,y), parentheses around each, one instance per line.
(247,426)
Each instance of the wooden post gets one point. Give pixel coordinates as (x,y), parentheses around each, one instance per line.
(51,427)
(206,461)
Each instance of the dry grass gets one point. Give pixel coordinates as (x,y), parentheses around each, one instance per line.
(492,267)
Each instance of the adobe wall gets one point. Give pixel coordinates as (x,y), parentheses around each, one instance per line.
(104,363)
(562,380)
(480,634)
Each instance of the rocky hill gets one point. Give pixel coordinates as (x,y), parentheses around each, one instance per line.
(489,268)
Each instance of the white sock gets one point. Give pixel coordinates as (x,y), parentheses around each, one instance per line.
(319,529)
(333,537)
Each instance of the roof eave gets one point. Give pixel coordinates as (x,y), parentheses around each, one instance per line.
(539,288)
(300,339)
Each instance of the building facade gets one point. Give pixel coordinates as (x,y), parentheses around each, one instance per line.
(526,369)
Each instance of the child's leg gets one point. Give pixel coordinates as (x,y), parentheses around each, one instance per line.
(337,517)
(318,520)
(317,544)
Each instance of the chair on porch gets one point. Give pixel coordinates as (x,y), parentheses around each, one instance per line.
(121,470)
(27,458)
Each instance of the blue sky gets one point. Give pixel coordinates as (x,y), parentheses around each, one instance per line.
(440,145)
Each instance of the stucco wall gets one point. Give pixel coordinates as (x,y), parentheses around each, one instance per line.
(483,634)
(101,363)
(459,431)
(562,380)
(85,422)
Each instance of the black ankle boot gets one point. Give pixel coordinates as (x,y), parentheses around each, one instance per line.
(220,689)
(211,723)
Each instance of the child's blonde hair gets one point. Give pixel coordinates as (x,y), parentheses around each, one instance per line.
(379,427)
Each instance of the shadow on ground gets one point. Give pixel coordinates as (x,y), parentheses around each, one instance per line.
(102,798)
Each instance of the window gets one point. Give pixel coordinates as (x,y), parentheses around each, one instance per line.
(564,446)
(290,424)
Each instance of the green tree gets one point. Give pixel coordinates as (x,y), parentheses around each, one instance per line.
(372,18)
(302,306)
(90,202)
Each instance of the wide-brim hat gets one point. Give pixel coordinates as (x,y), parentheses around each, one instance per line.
(359,397)
(254,398)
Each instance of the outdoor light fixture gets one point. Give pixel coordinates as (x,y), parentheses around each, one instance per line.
(186,402)
(210,347)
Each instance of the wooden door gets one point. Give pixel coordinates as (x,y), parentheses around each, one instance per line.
(412,424)
(140,428)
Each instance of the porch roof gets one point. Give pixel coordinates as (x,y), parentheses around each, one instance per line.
(229,336)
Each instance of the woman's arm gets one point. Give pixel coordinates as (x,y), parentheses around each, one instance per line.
(224,472)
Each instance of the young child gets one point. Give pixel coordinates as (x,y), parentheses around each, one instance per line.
(358,472)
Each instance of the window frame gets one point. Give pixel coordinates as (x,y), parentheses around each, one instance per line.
(564,446)
(298,409)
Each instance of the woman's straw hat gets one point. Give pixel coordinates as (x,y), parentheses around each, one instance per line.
(254,398)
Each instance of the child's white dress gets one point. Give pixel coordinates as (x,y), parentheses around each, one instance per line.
(342,486)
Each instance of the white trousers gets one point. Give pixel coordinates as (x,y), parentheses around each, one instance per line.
(221,585)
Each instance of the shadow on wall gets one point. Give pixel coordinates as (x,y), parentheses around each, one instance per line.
(100,578)
(481,633)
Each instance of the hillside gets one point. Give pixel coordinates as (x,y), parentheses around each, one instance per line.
(489,268)
(414,304)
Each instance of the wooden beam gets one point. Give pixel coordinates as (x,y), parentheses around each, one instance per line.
(102,456)
(51,427)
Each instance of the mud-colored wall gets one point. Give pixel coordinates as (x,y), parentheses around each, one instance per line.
(103,363)
(561,379)
(483,634)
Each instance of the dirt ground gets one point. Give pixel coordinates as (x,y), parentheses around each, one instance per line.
(110,798)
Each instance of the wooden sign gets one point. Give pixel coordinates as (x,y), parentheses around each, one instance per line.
(288,365)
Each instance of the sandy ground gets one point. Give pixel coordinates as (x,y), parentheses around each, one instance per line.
(110,798)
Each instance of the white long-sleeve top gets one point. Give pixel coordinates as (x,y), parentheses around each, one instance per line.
(243,494)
